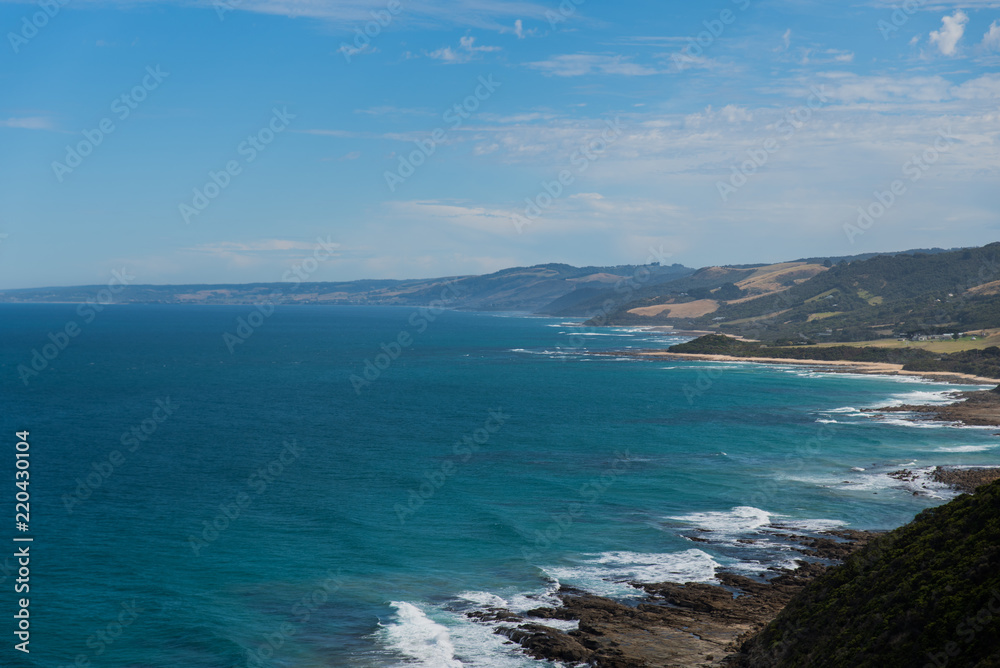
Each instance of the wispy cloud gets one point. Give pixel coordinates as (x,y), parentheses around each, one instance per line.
(262,246)
(580,64)
(938,5)
(350,51)
(391,110)
(490,14)
(466,52)
(823,56)
(341,134)
(27,123)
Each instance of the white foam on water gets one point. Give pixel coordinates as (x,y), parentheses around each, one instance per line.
(845,409)
(419,638)
(455,641)
(916,424)
(739,520)
(550,353)
(479,646)
(752,567)
(809,525)
(921,398)
(484,599)
(744,520)
(522,602)
(518,603)
(975,466)
(967,448)
(608,573)
(878,481)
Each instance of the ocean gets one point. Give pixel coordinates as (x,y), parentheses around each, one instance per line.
(227,486)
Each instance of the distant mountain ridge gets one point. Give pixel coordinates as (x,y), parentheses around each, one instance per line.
(820,299)
(526,289)
(837,298)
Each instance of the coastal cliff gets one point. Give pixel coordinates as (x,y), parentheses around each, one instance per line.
(925,594)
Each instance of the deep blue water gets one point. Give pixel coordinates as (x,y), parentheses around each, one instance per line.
(272,515)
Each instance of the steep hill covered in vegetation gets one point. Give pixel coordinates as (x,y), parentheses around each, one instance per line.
(860,300)
(926,594)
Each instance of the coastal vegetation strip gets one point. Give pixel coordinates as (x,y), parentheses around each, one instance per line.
(982,363)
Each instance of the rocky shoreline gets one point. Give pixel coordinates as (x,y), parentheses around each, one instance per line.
(693,624)
(975,409)
(965,480)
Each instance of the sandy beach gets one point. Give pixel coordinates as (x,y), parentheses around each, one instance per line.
(880,368)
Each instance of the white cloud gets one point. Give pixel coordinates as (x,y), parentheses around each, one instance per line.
(467,51)
(27,123)
(480,218)
(986,87)
(348,14)
(938,5)
(579,64)
(392,110)
(991,40)
(736,114)
(850,88)
(340,134)
(952,29)
(351,51)
(813,57)
(263,246)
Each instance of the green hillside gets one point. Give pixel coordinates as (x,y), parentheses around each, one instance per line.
(529,289)
(862,300)
(985,362)
(926,594)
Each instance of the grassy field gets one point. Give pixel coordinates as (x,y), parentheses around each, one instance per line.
(992,338)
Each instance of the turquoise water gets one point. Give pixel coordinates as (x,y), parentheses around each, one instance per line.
(272,515)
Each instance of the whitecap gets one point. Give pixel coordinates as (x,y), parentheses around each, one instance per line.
(738,520)
(796,525)
(608,573)
(419,638)
(967,448)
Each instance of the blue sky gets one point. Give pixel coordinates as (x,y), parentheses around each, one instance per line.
(204,141)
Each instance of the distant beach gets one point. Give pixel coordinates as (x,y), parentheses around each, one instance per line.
(877,368)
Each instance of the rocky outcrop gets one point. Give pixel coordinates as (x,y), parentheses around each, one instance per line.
(693,624)
(965,480)
(976,409)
